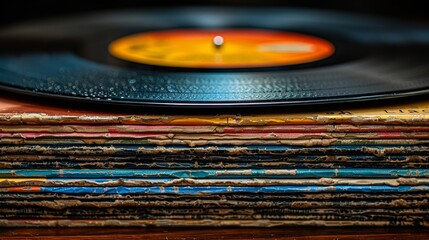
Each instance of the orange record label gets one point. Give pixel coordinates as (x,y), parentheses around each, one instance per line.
(225,48)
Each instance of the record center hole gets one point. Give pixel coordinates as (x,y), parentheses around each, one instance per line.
(218,41)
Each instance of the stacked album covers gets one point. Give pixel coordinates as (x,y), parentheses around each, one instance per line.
(65,167)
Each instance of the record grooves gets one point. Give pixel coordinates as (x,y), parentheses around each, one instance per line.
(266,57)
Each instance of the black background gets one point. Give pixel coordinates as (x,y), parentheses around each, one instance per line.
(18,10)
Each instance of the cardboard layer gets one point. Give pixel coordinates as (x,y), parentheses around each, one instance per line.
(217,198)
(204,129)
(250,150)
(13,111)
(170,159)
(256,213)
(279,205)
(217,173)
(356,217)
(34,222)
(6,182)
(205,164)
(310,142)
(196,190)
(222,136)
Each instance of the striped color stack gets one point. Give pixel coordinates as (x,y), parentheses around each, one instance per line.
(70,167)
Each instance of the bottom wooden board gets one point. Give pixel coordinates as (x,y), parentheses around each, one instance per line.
(208,233)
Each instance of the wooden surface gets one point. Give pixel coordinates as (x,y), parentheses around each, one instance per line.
(215,233)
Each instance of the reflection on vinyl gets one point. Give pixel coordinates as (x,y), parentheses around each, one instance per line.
(215,57)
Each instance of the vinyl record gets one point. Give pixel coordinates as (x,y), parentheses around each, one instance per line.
(216,57)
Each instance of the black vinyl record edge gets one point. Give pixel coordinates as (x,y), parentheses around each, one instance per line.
(307,103)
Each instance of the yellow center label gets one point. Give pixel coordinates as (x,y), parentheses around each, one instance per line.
(226,48)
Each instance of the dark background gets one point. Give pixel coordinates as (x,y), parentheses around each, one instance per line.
(18,10)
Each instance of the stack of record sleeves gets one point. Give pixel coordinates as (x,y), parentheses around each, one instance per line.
(65,167)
